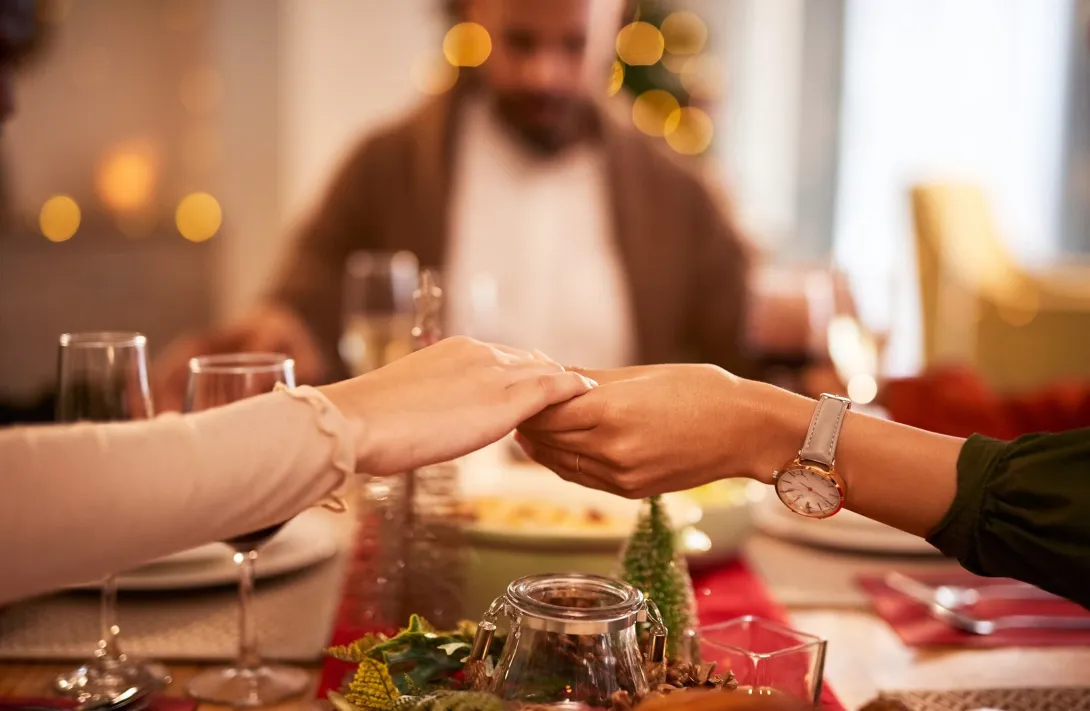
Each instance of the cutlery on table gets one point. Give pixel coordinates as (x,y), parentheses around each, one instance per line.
(938,602)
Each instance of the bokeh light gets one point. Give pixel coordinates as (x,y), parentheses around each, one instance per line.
(704,76)
(862,389)
(689,131)
(198,217)
(684,32)
(652,110)
(616,78)
(433,74)
(201,90)
(640,44)
(467,44)
(126,177)
(59,218)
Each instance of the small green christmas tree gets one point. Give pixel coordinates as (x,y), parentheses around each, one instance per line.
(652,564)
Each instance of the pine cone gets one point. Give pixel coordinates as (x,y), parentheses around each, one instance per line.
(620,701)
(655,672)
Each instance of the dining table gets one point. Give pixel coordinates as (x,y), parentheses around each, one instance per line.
(818,590)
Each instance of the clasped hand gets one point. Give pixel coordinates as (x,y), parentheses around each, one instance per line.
(645,430)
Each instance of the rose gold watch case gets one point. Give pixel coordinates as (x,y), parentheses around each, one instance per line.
(828,473)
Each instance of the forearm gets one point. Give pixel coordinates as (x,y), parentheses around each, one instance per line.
(899,475)
(82,501)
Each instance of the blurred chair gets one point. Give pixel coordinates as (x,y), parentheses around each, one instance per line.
(1019,329)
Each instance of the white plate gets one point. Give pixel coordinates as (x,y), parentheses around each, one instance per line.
(308,539)
(846,531)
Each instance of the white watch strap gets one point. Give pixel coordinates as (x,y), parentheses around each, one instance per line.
(821,438)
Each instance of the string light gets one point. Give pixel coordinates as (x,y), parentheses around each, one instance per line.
(684,32)
(126,177)
(704,77)
(689,131)
(198,217)
(59,218)
(616,78)
(640,44)
(652,110)
(467,44)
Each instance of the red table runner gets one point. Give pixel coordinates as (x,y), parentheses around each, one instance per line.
(723,593)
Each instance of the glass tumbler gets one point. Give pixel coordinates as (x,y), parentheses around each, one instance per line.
(767,658)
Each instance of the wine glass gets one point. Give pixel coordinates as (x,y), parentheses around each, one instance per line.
(214,381)
(103,377)
(378,309)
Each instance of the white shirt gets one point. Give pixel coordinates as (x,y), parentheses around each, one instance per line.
(532,259)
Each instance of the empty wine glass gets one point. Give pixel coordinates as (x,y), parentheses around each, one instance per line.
(378,309)
(215,381)
(103,377)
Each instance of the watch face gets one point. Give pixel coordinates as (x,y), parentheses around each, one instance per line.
(809,492)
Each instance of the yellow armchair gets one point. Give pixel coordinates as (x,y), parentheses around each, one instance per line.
(1019,328)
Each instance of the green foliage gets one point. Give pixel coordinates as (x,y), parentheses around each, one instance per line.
(652,564)
(372,688)
(417,660)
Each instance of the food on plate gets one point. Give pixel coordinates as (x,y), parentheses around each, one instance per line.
(724,491)
(523,514)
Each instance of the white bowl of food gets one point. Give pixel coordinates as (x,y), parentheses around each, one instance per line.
(523,520)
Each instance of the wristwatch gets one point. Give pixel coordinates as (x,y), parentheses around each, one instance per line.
(809,484)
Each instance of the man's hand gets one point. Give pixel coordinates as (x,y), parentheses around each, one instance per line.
(269,329)
(647,430)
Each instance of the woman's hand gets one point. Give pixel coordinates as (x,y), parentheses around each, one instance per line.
(651,429)
(447,400)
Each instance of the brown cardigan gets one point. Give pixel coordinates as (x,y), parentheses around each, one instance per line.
(685,260)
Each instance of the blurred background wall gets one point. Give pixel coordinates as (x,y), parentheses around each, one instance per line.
(192,134)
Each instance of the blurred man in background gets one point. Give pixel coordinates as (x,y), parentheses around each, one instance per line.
(599,248)
(19,36)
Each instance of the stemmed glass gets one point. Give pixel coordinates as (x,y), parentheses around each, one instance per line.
(215,381)
(103,377)
(378,309)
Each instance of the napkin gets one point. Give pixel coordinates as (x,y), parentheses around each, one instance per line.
(914,624)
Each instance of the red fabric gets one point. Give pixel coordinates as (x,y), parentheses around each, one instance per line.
(733,590)
(159,703)
(957,401)
(917,628)
(724,593)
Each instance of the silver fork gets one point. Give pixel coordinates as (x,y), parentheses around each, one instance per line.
(926,595)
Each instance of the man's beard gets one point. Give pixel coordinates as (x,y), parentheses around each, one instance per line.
(546,123)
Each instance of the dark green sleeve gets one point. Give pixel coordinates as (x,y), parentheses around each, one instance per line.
(1022,511)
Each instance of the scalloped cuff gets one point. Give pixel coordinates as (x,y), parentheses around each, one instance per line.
(331,423)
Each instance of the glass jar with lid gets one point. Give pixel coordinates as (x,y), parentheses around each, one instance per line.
(572,640)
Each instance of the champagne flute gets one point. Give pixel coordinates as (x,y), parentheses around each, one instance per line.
(378,309)
(214,381)
(103,377)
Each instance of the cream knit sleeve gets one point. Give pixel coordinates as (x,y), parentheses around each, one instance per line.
(78,502)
